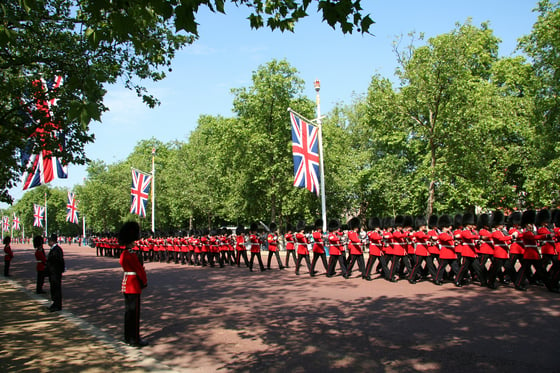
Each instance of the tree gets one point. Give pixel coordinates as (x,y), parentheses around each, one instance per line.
(91,43)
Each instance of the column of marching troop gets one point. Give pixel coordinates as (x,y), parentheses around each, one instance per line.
(488,249)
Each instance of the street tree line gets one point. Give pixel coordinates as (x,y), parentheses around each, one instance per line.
(462,128)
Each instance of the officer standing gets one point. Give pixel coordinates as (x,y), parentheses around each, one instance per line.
(56,266)
(41,259)
(134,280)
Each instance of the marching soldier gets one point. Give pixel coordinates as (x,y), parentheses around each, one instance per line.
(421,238)
(255,243)
(355,248)
(290,247)
(272,239)
(336,250)
(447,253)
(302,250)
(318,247)
(470,261)
(500,240)
(240,246)
(375,248)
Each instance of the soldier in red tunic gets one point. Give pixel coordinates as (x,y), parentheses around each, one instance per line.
(447,253)
(255,243)
(302,250)
(134,280)
(318,247)
(501,240)
(240,246)
(336,250)
(41,259)
(468,237)
(355,248)
(290,248)
(420,241)
(376,248)
(272,240)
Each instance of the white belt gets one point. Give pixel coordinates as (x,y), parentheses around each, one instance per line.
(531,246)
(469,244)
(448,246)
(130,273)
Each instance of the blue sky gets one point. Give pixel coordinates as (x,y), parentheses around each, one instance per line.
(228,51)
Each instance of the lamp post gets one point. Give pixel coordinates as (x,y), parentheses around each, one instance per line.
(317,85)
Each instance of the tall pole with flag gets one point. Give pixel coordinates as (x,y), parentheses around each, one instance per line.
(46,216)
(317,85)
(153,190)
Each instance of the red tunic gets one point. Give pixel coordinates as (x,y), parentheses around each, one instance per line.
(318,246)
(486,245)
(432,247)
(134,274)
(335,246)
(302,241)
(240,243)
(421,239)
(272,242)
(354,243)
(41,259)
(255,243)
(399,244)
(9,254)
(547,242)
(530,244)
(447,246)
(289,241)
(468,238)
(375,243)
(516,246)
(501,247)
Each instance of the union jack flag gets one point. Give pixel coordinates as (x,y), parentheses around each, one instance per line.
(140,191)
(38,215)
(72,209)
(305,148)
(15,222)
(42,166)
(5,223)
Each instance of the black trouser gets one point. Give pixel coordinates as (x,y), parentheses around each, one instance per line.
(497,264)
(132,318)
(443,263)
(361,264)
(242,254)
(484,258)
(548,259)
(288,254)
(231,256)
(316,257)
(7,267)
(258,255)
(417,267)
(540,273)
(332,264)
(269,260)
(41,280)
(396,265)
(224,258)
(55,280)
(371,262)
(470,263)
(298,262)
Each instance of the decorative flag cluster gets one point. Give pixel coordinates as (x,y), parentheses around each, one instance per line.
(38,215)
(72,209)
(305,149)
(5,224)
(42,166)
(140,192)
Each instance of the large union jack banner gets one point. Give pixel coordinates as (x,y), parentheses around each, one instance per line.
(305,148)
(5,223)
(15,222)
(72,209)
(38,215)
(42,167)
(140,191)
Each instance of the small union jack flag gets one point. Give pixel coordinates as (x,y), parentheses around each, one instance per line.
(15,223)
(140,191)
(305,149)
(72,209)
(5,223)
(38,215)
(42,166)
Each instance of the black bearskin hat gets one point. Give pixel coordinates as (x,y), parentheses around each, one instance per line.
(543,217)
(240,229)
(432,221)
(289,227)
(354,223)
(300,226)
(130,232)
(498,218)
(469,219)
(373,222)
(334,225)
(318,223)
(555,217)
(399,221)
(444,221)
(483,220)
(254,227)
(408,222)
(515,218)
(272,226)
(458,220)
(420,221)
(528,217)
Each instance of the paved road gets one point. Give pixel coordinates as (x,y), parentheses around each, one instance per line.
(229,319)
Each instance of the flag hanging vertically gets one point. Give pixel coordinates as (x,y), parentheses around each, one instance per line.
(15,223)
(305,149)
(140,191)
(38,215)
(72,209)
(42,167)
(5,224)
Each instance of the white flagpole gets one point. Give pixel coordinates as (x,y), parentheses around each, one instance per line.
(317,85)
(83,227)
(46,215)
(153,191)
